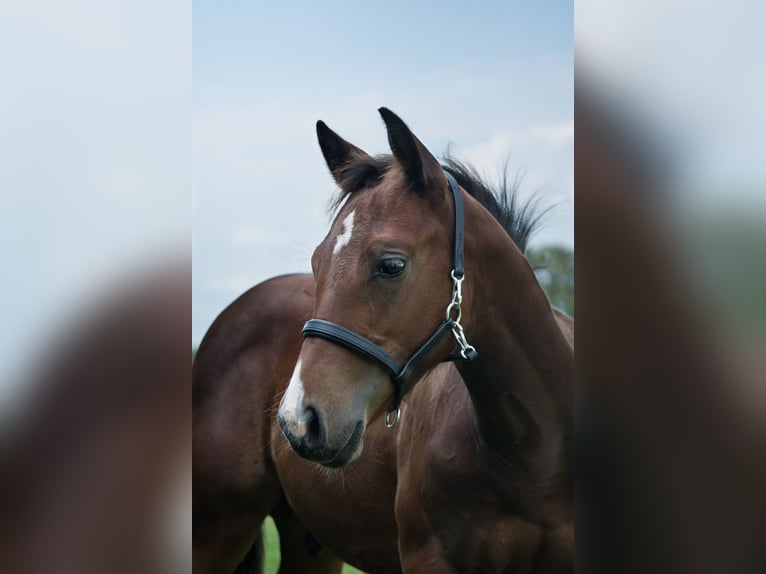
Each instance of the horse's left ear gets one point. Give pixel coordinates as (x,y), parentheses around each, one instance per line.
(421,168)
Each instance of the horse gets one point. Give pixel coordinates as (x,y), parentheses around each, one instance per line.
(96,454)
(240,369)
(424,413)
(680,490)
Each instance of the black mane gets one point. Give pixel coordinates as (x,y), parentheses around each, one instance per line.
(520,219)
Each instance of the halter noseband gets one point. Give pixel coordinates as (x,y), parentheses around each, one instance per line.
(400,374)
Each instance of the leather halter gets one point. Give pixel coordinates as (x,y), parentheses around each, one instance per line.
(400,374)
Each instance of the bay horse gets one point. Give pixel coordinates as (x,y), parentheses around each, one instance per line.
(391,458)
(91,464)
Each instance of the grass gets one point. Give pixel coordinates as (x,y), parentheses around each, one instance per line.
(271,542)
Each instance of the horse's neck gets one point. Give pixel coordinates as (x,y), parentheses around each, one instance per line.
(521,384)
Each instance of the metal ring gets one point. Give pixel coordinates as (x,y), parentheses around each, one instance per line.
(454,306)
(397,413)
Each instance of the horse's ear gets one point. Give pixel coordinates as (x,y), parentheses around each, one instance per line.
(337,151)
(420,166)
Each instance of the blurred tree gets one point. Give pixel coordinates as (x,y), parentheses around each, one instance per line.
(554,267)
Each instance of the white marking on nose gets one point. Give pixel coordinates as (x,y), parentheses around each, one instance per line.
(345,233)
(291,407)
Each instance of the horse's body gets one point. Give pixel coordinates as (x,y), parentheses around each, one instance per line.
(240,369)
(102,444)
(243,466)
(477,475)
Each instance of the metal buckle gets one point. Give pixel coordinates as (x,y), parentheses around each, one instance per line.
(467,351)
(455,307)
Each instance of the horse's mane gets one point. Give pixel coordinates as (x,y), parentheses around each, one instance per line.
(519,218)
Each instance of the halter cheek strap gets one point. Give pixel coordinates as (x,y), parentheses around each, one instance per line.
(400,374)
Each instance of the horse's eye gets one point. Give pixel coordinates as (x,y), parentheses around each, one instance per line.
(391,266)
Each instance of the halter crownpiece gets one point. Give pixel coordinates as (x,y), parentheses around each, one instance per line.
(400,374)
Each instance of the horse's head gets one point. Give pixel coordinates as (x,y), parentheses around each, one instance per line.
(383,272)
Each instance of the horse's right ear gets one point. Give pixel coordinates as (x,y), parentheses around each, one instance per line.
(337,151)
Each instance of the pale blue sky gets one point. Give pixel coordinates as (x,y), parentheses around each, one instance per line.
(489,80)
(95,127)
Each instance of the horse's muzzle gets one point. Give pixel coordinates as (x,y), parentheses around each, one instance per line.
(313,444)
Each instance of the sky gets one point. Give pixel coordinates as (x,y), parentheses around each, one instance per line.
(95,132)
(489,83)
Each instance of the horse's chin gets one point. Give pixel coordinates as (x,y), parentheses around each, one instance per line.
(350,451)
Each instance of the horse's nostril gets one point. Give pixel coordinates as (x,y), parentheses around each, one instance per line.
(314,435)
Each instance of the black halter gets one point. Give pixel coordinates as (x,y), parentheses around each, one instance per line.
(400,374)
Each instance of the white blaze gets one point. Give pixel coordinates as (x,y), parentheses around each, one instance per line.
(345,233)
(291,405)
